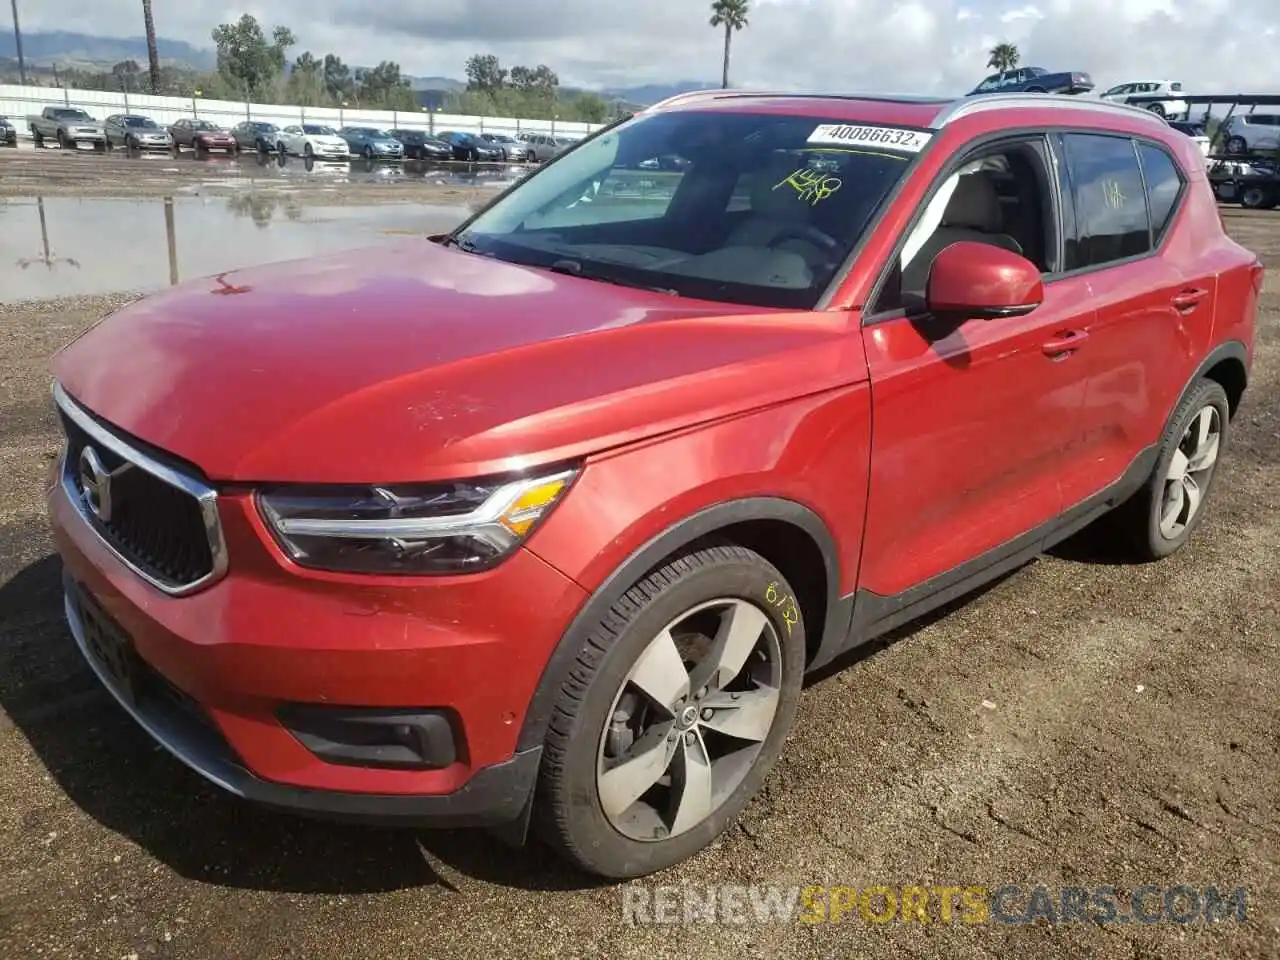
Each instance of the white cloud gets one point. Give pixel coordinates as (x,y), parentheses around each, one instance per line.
(916,45)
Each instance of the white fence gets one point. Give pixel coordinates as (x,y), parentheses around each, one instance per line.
(20,102)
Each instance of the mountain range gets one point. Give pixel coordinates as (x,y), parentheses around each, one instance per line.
(86,51)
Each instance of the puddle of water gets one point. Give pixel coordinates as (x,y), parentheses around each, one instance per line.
(232,170)
(70,246)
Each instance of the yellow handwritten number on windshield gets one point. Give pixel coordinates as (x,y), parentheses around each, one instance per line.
(811,185)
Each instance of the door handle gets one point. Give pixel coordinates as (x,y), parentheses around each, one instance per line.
(1064,344)
(1189,299)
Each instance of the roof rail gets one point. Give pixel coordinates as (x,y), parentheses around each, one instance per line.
(981,103)
(719,94)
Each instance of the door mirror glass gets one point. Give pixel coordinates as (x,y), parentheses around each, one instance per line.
(981,281)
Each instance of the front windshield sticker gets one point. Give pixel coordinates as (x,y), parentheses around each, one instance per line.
(891,138)
(812,185)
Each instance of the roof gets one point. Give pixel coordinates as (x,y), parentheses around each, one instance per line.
(904,109)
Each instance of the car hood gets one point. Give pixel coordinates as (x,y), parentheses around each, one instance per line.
(411,361)
(215,135)
(326,139)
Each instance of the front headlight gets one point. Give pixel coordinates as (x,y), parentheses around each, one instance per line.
(438,528)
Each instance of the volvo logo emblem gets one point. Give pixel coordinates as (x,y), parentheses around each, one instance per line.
(95,482)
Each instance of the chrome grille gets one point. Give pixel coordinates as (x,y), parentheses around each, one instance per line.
(155,515)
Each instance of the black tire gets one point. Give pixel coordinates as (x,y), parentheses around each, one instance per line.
(1136,523)
(368,153)
(307,151)
(1036,90)
(1254,197)
(1157,109)
(568,812)
(200,150)
(63,142)
(281,150)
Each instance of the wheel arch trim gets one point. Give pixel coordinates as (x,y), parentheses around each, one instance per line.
(690,529)
(1228,350)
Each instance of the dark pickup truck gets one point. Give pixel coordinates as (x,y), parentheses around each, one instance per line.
(68,127)
(1035,80)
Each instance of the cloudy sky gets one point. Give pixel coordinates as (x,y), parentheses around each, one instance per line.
(910,46)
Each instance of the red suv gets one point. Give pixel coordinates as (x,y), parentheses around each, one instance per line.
(542,521)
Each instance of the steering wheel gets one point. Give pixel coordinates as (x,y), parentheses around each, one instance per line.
(810,234)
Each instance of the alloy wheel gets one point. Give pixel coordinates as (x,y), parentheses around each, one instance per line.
(689,720)
(1189,472)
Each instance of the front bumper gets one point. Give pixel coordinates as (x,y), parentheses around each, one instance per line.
(268,636)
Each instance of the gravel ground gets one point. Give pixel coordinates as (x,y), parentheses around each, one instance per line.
(1079,723)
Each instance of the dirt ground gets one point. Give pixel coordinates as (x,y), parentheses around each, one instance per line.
(1079,723)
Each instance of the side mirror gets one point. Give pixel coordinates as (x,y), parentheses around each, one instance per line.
(981,281)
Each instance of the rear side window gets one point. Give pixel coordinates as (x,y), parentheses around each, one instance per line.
(1110,203)
(1164,187)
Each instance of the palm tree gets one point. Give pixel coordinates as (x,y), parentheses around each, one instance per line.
(1004,57)
(732,15)
(152,54)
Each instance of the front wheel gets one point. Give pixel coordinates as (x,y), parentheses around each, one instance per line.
(1160,518)
(1157,109)
(368,154)
(307,151)
(281,150)
(1254,198)
(675,712)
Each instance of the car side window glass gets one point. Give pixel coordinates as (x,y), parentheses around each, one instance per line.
(1002,197)
(1110,203)
(1164,186)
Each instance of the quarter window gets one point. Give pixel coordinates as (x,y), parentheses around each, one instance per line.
(1110,203)
(1164,186)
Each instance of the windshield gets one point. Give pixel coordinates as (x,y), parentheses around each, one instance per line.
(139,122)
(762,209)
(206,125)
(71,115)
(318,131)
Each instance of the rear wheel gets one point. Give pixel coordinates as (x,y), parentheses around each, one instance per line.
(1161,517)
(675,712)
(1157,109)
(1254,197)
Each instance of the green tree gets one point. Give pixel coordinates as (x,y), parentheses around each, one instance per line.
(1003,57)
(246,59)
(485,73)
(732,15)
(338,82)
(306,81)
(125,75)
(383,86)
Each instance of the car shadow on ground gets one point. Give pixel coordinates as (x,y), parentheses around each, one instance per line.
(112,771)
(109,768)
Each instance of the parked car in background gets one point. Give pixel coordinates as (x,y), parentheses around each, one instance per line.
(135,132)
(513,150)
(1251,132)
(543,146)
(1196,132)
(68,127)
(423,145)
(256,135)
(470,146)
(202,136)
(372,143)
(311,140)
(420,571)
(1035,80)
(8,133)
(1173,107)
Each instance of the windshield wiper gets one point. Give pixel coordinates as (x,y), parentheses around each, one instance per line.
(575,268)
(463,243)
